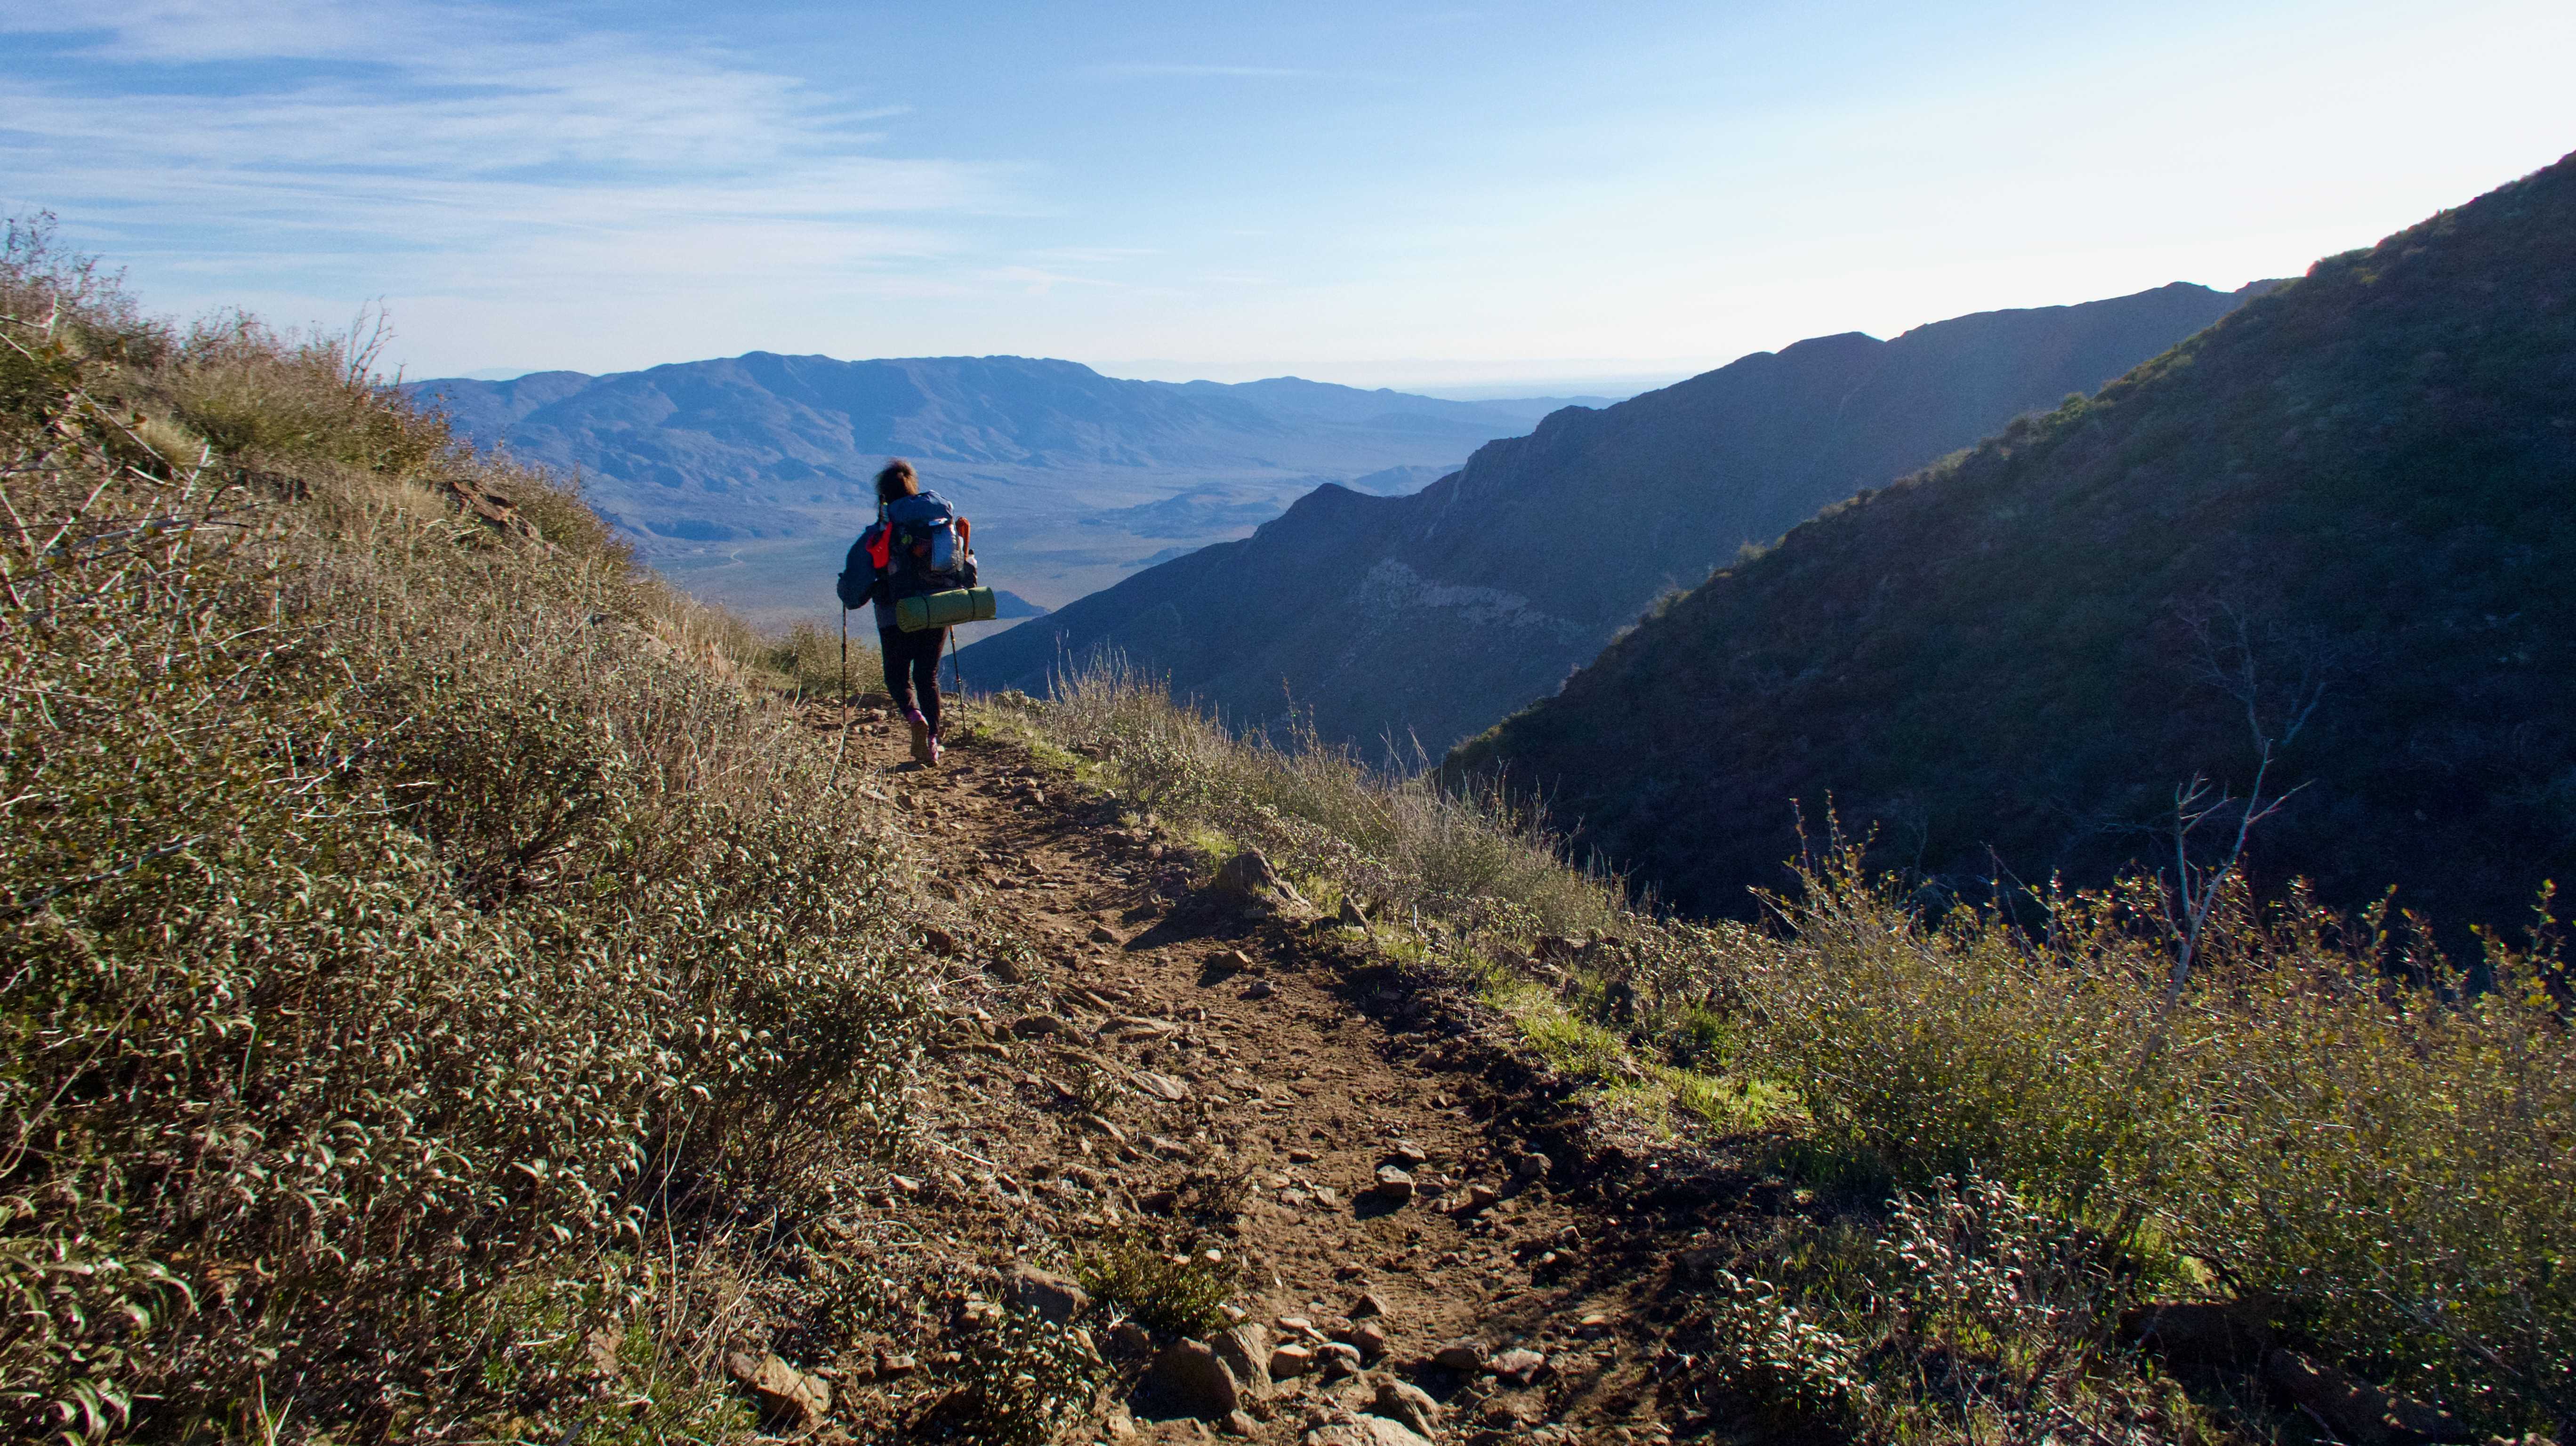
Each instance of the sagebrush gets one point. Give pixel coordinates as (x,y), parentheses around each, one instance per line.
(415,952)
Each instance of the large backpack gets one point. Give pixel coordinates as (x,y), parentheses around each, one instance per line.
(926,550)
(917,547)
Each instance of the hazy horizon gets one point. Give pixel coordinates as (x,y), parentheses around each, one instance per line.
(1612,386)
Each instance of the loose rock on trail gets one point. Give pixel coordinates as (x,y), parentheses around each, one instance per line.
(1419,1247)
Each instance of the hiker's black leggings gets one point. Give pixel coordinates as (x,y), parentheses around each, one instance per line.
(912,667)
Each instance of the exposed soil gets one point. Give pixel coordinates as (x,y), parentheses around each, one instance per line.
(1161,1040)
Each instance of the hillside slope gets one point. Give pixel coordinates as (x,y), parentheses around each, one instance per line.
(744,477)
(1432,615)
(2360,480)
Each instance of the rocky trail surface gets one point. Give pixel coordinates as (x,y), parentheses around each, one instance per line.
(1427,1239)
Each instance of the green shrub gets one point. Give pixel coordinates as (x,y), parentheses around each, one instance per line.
(1165,1281)
(1021,1377)
(1969,1317)
(2330,1117)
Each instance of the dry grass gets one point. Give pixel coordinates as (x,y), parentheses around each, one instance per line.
(1320,813)
(417,958)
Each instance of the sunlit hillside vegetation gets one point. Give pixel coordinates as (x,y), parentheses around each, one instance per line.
(2019,1125)
(418,956)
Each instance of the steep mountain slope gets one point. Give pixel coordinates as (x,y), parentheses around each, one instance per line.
(2361,480)
(1432,615)
(744,477)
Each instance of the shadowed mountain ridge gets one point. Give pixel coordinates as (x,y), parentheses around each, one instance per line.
(2352,493)
(1428,617)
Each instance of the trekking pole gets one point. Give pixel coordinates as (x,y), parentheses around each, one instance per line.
(956,675)
(842,708)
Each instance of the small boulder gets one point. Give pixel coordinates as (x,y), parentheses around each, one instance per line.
(1369,1339)
(1291,1361)
(1188,1379)
(1460,1355)
(1702,1263)
(1245,1349)
(1531,1166)
(1519,1367)
(1340,1359)
(1364,1430)
(1040,1026)
(1394,1184)
(1050,1297)
(2356,1410)
(1248,879)
(1103,934)
(1367,1305)
(2199,1333)
(1410,1404)
(787,1396)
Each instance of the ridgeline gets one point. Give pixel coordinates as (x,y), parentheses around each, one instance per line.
(2338,520)
(1429,617)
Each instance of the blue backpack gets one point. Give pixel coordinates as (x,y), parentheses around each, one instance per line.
(919,545)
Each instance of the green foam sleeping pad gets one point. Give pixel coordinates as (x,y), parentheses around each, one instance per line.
(945,609)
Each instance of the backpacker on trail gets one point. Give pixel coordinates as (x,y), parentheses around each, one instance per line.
(916,566)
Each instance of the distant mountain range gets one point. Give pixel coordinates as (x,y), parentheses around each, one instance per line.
(2354,495)
(1427,617)
(745,478)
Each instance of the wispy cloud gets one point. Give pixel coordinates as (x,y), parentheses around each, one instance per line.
(1039,280)
(1140,70)
(455,149)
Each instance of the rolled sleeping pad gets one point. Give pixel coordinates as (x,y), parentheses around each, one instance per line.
(945,609)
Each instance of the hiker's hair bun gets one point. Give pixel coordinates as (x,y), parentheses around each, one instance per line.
(896,479)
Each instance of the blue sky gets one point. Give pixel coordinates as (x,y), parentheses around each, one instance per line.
(1416,195)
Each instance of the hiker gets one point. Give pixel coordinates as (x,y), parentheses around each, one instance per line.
(913,548)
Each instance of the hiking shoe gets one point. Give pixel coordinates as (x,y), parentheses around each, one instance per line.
(923,749)
(936,752)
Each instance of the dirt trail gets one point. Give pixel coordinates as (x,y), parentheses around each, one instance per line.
(1164,1035)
